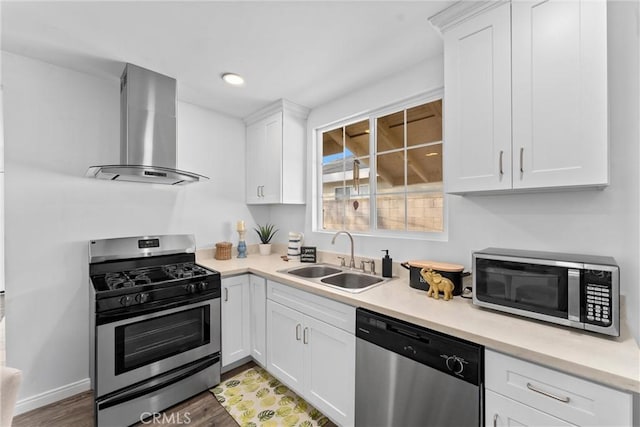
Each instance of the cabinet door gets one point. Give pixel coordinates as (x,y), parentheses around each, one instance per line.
(254,145)
(477,104)
(501,411)
(330,355)
(264,160)
(284,345)
(235,319)
(258,318)
(560,93)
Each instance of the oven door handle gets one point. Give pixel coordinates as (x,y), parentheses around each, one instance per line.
(119,319)
(158,383)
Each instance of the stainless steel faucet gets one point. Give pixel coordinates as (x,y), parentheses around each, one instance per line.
(352,262)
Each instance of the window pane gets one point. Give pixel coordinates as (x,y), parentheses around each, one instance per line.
(357,214)
(332,213)
(424,123)
(357,138)
(390,176)
(425,212)
(390,132)
(345,178)
(390,210)
(424,166)
(333,176)
(333,179)
(332,145)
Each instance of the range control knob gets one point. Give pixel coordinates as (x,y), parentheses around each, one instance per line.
(190,288)
(202,286)
(455,364)
(126,300)
(142,297)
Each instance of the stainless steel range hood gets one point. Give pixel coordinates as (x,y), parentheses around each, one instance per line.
(147,131)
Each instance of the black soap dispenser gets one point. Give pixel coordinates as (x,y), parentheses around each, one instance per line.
(386,264)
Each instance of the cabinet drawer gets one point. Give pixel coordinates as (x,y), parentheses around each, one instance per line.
(335,313)
(564,396)
(502,411)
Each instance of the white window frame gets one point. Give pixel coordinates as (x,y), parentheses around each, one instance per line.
(372,115)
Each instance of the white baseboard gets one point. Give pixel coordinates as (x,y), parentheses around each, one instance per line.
(51,396)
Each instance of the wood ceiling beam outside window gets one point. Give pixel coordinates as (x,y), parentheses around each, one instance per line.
(357,151)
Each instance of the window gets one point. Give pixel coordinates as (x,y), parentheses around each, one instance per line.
(383,172)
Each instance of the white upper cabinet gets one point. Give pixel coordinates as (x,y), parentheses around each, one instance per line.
(276,139)
(559,93)
(525,95)
(477,105)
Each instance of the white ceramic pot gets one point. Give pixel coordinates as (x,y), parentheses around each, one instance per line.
(265,248)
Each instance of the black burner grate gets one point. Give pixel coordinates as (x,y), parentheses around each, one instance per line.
(148,275)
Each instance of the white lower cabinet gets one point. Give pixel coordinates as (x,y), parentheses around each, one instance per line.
(314,356)
(257,318)
(235,311)
(284,335)
(244,318)
(329,374)
(525,394)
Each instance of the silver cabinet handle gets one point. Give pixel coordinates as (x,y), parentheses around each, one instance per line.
(298,326)
(501,170)
(226,294)
(521,159)
(258,191)
(262,191)
(495,420)
(545,393)
(305,336)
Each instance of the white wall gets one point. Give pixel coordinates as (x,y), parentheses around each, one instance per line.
(58,122)
(595,222)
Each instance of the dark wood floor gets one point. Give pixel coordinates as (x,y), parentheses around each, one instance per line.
(77,411)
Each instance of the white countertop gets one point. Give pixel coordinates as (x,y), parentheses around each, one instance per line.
(610,361)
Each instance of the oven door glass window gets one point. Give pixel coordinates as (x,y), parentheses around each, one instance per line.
(147,341)
(531,287)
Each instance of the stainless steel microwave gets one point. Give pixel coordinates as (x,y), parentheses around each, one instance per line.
(580,291)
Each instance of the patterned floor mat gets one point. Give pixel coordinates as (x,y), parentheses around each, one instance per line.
(256,399)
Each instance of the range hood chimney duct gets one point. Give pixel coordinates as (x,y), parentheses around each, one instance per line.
(147,131)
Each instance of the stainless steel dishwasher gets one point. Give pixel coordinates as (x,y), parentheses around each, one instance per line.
(411,376)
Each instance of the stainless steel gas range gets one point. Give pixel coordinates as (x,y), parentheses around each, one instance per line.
(155,326)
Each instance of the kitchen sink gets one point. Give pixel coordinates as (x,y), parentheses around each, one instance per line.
(343,278)
(313,271)
(352,280)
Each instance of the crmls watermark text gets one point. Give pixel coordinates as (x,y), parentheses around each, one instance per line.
(162,418)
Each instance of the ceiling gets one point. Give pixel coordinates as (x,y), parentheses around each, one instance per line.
(309,52)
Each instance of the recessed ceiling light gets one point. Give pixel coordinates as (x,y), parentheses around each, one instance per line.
(233,79)
(433,153)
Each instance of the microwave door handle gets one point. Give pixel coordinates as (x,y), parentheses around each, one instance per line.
(573,289)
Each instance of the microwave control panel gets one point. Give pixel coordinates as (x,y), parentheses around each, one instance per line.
(597,297)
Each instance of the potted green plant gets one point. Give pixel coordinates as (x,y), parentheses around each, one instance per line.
(266,233)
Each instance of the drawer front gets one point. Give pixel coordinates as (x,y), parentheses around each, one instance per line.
(564,396)
(335,313)
(504,412)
